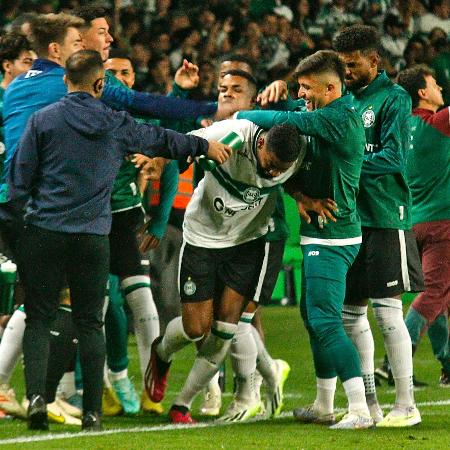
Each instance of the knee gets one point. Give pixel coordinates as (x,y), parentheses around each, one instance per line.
(324,327)
(195,330)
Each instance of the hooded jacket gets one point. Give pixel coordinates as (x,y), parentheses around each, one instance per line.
(69,156)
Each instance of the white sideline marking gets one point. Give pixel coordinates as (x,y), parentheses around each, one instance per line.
(169,427)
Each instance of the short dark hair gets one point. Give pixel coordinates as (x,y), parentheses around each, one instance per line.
(48,28)
(89,13)
(357,37)
(413,79)
(241,73)
(286,142)
(11,46)
(16,24)
(83,66)
(236,57)
(119,53)
(321,62)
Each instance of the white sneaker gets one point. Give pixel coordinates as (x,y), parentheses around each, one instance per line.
(68,408)
(401,417)
(375,412)
(275,403)
(212,402)
(9,403)
(354,421)
(241,412)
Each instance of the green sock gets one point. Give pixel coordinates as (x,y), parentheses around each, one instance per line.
(439,336)
(415,323)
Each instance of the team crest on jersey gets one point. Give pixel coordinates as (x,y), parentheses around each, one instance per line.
(368,118)
(189,287)
(251,195)
(2,148)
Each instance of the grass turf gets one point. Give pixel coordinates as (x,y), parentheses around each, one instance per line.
(287,339)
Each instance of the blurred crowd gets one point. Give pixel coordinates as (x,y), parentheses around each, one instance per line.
(273,34)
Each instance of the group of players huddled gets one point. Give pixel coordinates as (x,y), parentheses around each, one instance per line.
(87,158)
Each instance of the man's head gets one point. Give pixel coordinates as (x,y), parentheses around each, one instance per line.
(235,62)
(358,46)
(56,36)
(421,85)
(85,73)
(278,149)
(320,78)
(119,63)
(441,8)
(15,56)
(237,91)
(95,32)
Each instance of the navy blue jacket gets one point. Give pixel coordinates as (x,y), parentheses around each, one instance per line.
(69,156)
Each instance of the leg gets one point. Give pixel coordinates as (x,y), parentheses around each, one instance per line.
(87,276)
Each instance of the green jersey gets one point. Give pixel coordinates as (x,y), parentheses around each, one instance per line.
(429,165)
(331,168)
(2,136)
(384,199)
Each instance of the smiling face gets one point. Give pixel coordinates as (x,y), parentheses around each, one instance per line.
(97,37)
(314,90)
(122,70)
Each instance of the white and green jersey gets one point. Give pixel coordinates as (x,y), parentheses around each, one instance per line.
(232,204)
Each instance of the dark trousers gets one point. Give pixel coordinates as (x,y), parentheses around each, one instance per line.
(46,260)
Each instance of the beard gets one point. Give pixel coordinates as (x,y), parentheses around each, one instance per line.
(356,85)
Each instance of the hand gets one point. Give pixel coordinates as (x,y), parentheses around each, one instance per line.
(273,93)
(148,242)
(150,168)
(225,111)
(323,207)
(218,152)
(206,122)
(187,75)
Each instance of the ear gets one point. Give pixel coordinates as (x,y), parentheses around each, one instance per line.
(6,65)
(374,59)
(65,79)
(422,94)
(54,50)
(98,85)
(261,142)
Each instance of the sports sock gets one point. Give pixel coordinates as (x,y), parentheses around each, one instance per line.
(207,362)
(389,315)
(243,359)
(357,327)
(175,338)
(214,382)
(116,376)
(415,323)
(264,362)
(11,345)
(438,334)
(66,386)
(354,389)
(146,320)
(324,402)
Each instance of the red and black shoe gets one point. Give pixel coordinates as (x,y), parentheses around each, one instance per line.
(156,374)
(181,415)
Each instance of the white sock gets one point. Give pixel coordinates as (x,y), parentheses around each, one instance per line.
(11,345)
(354,388)
(357,327)
(106,381)
(326,387)
(137,292)
(397,341)
(66,386)
(175,338)
(207,362)
(116,376)
(213,384)
(243,359)
(264,362)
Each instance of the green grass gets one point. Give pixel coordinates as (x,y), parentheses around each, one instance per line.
(287,339)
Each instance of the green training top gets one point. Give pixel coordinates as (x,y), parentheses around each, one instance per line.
(384,199)
(332,165)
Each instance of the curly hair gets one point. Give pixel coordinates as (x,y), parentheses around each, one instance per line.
(11,46)
(357,37)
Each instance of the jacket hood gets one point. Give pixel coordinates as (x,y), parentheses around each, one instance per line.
(87,115)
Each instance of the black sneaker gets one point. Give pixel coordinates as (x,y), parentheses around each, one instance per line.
(444,380)
(383,372)
(37,413)
(91,421)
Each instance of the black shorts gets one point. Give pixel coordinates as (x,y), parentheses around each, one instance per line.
(125,257)
(388,264)
(204,271)
(269,275)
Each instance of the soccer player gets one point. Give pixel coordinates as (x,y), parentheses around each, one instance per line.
(428,170)
(331,234)
(76,146)
(388,263)
(223,253)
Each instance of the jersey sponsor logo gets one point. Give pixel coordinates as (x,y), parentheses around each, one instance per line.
(251,195)
(370,148)
(368,118)
(392,283)
(314,253)
(189,287)
(219,206)
(32,73)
